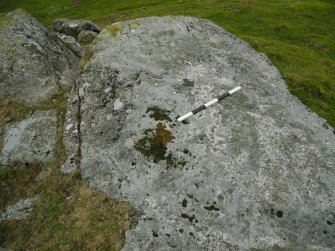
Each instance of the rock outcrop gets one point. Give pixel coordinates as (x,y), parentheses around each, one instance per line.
(34,64)
(255,171)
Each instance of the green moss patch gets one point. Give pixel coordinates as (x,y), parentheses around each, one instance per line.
(159,114)
(153,144)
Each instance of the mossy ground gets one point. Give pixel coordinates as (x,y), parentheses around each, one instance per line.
(298,36)
(68,214)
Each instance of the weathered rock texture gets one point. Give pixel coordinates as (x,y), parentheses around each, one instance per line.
(30,140)
(255,171)
(19,210)
(34,64)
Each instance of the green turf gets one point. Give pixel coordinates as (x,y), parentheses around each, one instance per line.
(297,35)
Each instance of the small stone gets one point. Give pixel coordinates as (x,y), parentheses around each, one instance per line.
(118,104)
(109,117)
(68,127)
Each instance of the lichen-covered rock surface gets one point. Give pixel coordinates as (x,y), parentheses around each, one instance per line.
(34,64)
(30,140)
(256,171)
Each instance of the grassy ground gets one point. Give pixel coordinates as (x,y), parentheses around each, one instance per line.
(297,35)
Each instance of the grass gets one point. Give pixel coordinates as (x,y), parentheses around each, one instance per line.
(297,35)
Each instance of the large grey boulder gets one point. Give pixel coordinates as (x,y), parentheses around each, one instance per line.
(256,171)
(34,64)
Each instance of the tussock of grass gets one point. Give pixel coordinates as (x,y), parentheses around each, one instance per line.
(12,110)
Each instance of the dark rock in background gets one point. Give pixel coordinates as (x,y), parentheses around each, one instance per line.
(73,27)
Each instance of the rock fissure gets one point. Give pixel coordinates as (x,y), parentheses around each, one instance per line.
(79,116)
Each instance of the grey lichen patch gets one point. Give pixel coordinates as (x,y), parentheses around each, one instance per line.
(159,114)
(30,140)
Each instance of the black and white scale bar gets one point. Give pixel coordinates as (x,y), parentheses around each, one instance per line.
(212,102)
